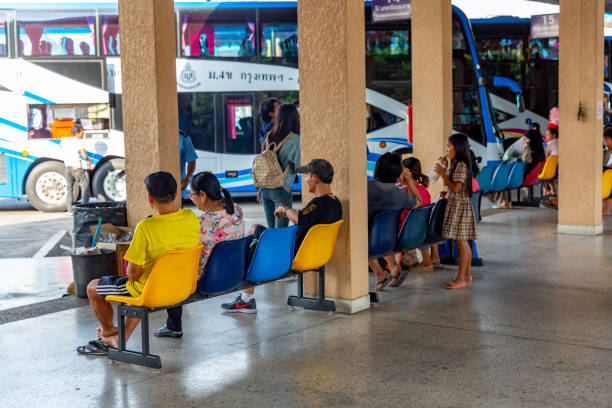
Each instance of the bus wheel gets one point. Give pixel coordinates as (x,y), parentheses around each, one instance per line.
(109,181)
(46,187)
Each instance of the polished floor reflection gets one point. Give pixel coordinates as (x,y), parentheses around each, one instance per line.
(534,330)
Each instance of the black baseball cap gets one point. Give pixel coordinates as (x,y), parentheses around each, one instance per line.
(161,185)
(320,168)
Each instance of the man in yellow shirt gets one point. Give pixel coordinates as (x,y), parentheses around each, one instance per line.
(168,228)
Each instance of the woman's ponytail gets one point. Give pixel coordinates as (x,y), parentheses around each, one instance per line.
(228,201)
(422,178)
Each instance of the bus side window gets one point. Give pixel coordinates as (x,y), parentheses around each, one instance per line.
(110,34)
(3,41)
(218,33)
(278,33)
(377,118)
(56,33)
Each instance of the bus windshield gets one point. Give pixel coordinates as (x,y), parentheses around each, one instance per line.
(389,71)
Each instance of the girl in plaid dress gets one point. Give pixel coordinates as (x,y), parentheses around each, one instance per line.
(459,222)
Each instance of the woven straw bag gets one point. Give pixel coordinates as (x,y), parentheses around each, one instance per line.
(267,171)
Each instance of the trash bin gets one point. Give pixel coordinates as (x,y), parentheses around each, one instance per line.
(86,268)
(86,215)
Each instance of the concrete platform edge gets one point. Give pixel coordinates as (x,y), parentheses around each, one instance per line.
(351,306)
(580,229)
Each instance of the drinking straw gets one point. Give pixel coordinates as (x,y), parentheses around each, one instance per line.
(95,238)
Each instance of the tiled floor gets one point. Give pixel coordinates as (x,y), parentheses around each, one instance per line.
(535,329)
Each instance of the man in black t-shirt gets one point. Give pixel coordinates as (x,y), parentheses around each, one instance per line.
(324,208)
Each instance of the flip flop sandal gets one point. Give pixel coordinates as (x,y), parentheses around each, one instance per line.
(399,279)
(382,284)
(99,344)
(548,204)
(94,348)
(453,285)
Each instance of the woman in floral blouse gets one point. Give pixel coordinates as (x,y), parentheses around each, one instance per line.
(221,220)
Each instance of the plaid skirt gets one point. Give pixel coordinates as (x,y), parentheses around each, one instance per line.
(459,222)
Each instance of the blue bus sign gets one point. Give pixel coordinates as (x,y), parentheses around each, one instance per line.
(391,10)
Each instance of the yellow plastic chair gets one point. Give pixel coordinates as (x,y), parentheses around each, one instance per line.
(606,184)
(317,248)
(549,171)
(172,279)
(314,253)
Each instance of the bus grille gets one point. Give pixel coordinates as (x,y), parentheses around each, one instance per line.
(3,175)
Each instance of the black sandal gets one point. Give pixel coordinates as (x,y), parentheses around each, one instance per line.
(382,284)
(94,348)
(399,279)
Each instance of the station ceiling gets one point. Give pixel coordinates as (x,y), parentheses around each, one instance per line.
(608,3)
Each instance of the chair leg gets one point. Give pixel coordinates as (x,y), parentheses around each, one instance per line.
(476,260)
(142,358)
(322,284)
(450,259)
(144,326)
(319,303)
(121,328)
(300,283)
(530,202)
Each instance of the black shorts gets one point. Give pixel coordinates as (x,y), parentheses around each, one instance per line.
(112,285)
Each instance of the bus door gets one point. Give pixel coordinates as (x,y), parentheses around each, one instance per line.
(14,156)
(240,142)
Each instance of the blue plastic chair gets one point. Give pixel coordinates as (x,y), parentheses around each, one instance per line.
(273,256)
(414,229)
(485,177)
(517,175)
(383,233)
(436,222)
(226,266)
(500,178)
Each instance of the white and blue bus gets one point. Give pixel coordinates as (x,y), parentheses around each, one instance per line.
(59,62)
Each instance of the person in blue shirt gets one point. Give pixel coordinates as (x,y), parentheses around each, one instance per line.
(188,158)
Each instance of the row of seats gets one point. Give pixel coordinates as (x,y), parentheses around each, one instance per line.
(511,175)
(508,176)
(174,278)
(421,227)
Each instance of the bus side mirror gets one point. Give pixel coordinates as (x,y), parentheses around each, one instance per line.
(520,102)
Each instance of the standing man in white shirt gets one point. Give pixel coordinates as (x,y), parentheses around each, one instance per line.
(77,163)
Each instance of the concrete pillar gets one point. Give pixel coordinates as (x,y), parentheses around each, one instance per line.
(150,113)
(432,80)
(580,120)
(332,106)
